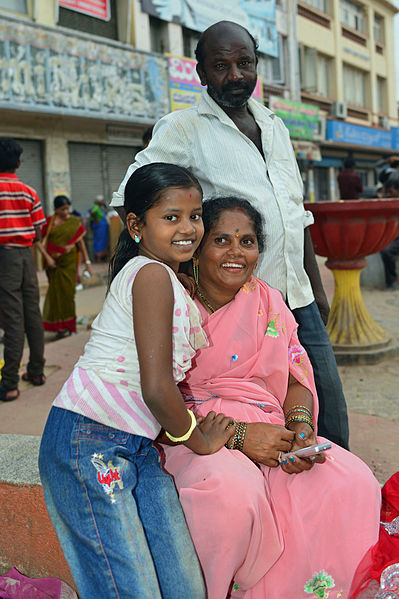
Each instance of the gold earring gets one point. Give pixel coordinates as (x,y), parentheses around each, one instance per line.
(195,270)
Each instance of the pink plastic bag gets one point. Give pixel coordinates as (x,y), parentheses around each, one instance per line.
(15,585)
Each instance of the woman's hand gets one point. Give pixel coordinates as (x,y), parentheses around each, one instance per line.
(264,442)
(304,437)
(215,431)
(50,262)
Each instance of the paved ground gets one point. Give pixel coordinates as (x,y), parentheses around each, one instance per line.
(372,391)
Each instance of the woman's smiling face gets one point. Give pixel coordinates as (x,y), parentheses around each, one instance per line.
(229,252)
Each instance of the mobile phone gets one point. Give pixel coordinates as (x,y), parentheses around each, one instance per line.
(306,452)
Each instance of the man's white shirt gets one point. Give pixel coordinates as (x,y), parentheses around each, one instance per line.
(226,162)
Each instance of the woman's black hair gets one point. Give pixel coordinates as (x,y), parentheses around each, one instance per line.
(213,208)
(60,201)
(143,190)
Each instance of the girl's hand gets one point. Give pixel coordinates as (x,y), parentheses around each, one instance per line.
(264,442)
(304,437)
(215,431)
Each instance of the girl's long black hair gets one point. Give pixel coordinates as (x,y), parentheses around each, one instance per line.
(143,190)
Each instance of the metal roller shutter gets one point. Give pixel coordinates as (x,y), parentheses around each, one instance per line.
(31,169)
(85,165)
(118,159)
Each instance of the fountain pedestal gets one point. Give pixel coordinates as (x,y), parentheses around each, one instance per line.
(346,232)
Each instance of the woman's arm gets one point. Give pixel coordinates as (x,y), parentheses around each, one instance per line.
(82,247)
(153,321)
(50,262)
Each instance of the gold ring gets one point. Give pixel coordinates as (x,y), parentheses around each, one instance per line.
(279,456)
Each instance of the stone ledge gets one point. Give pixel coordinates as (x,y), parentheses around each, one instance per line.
(28,539)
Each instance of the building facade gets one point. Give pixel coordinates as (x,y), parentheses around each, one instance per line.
(78,89)
(348,71)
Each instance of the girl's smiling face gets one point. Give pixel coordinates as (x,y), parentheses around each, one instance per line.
(173,227)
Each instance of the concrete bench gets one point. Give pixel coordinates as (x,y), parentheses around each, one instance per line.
(28,540)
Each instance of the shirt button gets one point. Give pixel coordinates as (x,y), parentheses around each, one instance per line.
(111,435)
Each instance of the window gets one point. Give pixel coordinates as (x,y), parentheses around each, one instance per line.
(272,69)
(378,29)
(319,4)
(15,5)
(354,82)
(159,35)
(314,72)
(351,14)
(80,22)
(380,94)
(190,40)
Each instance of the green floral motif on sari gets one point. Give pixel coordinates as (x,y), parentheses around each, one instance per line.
(271,330)
(319,584)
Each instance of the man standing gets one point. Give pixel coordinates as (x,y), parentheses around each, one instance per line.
(236,146)
(350,184)
(21,218)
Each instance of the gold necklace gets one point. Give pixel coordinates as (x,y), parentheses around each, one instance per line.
(204,299)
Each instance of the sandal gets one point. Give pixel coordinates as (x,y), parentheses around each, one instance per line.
(5,393)
(35,379)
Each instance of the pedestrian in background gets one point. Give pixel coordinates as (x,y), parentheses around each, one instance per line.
(389,254)
(21,218)
(62,248)
(350,184)
(100,227)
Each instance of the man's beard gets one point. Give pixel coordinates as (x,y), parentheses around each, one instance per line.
(226,99)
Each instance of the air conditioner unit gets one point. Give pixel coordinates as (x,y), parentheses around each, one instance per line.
(339,110)
(384,122)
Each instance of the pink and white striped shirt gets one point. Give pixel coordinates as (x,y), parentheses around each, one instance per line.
(105,382)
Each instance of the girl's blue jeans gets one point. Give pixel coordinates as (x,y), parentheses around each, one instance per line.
(116,512)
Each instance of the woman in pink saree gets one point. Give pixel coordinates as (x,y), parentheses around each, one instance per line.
(263,527)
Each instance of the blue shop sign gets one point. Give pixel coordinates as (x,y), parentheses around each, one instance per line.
(355,134)
(395,137)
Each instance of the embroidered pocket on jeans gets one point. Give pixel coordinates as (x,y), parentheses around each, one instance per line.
(108,475)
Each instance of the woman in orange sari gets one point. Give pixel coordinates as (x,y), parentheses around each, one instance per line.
(63,244)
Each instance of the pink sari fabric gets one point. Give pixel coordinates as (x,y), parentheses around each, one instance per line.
(259,532)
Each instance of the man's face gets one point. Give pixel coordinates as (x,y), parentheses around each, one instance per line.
(229,67)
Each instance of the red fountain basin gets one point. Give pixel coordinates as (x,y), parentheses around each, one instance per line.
(347,231)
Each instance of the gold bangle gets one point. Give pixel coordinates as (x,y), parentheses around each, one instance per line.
(298,418)
(299,409)
(187,435)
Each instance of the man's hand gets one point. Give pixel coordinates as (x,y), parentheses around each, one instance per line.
(323,305)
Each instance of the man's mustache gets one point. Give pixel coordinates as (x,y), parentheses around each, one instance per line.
(227,87)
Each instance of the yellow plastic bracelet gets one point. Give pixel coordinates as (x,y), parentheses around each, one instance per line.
(188,433)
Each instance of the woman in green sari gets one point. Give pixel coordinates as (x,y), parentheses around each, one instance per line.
(62,248)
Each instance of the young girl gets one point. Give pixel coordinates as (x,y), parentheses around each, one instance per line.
(115,510)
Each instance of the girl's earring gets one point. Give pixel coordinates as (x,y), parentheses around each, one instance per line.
(137,239)
(195,270)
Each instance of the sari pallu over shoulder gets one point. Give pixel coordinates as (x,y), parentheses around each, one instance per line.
(253,349)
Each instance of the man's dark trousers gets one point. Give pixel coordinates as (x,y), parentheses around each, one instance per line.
(20,313)
(333,414)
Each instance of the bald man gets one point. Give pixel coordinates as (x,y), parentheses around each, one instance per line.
(236,146)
